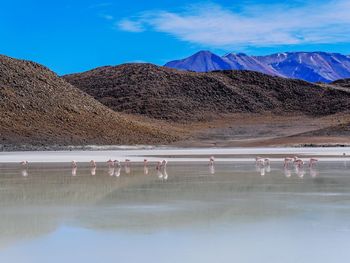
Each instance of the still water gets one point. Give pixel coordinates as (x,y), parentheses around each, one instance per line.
(235,212)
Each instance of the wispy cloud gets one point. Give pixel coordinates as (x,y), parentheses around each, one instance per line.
(256,25)
(131,25)
(107,17)
(99,5)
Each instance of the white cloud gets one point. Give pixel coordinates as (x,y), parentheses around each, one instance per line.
(130,25)
(107,17)
(258,25)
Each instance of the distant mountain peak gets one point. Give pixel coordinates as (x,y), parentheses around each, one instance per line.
(317,66)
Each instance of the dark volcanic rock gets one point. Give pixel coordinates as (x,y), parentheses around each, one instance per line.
(164,93)
(342,82)
(39,108)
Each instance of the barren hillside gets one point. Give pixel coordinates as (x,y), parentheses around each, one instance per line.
(39,108)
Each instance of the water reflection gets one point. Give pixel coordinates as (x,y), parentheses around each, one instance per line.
(262,171)
(287,172)
(117,172)
(111,171)
(162,174)
(300,172)
(313,172)
(211,169)
(74,171)
(24,172)
(34,208)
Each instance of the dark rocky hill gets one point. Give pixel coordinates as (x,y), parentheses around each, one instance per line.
(342,82)
(39,108)
(164,93)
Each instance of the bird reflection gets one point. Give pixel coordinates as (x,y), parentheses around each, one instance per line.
(117,172)
(74,171)
(159,174)
(211,169)
(145,167)
(93,170)
(287,172)
(111,171)
(268,168)
(262,171)
(300,172)
(313,172)
(161,171)
(127,166)
(24,172)
(165,174)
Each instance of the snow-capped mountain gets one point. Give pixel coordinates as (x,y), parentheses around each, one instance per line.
(309,66)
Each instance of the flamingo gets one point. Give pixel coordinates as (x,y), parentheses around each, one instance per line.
(159,165)
(312,162)
(110,163)
(287,161)
(145,162)
(164,163)
(24,163)
(211,161)
(74,164)
(259,161)
(93,164)
(299,162)
(116,163)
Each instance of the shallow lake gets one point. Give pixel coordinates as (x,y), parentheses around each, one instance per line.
(235,212)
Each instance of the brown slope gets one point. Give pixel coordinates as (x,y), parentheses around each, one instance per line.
(165,93)
(39,108)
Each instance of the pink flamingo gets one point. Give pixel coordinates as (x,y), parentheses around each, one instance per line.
(110,163)
(93,163)
(145,162)
(312,162)
(159,165)
(287,161)
(298,162)
(74,164)
(211,160)
(164,163)
(259,161)
(116,163)
(24,163)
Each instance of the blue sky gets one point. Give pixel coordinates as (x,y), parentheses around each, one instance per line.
(73,36)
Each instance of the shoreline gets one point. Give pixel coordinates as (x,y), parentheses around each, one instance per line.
(176,154)
(48,148)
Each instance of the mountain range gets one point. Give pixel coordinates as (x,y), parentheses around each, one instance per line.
(148,104)
(308,66)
